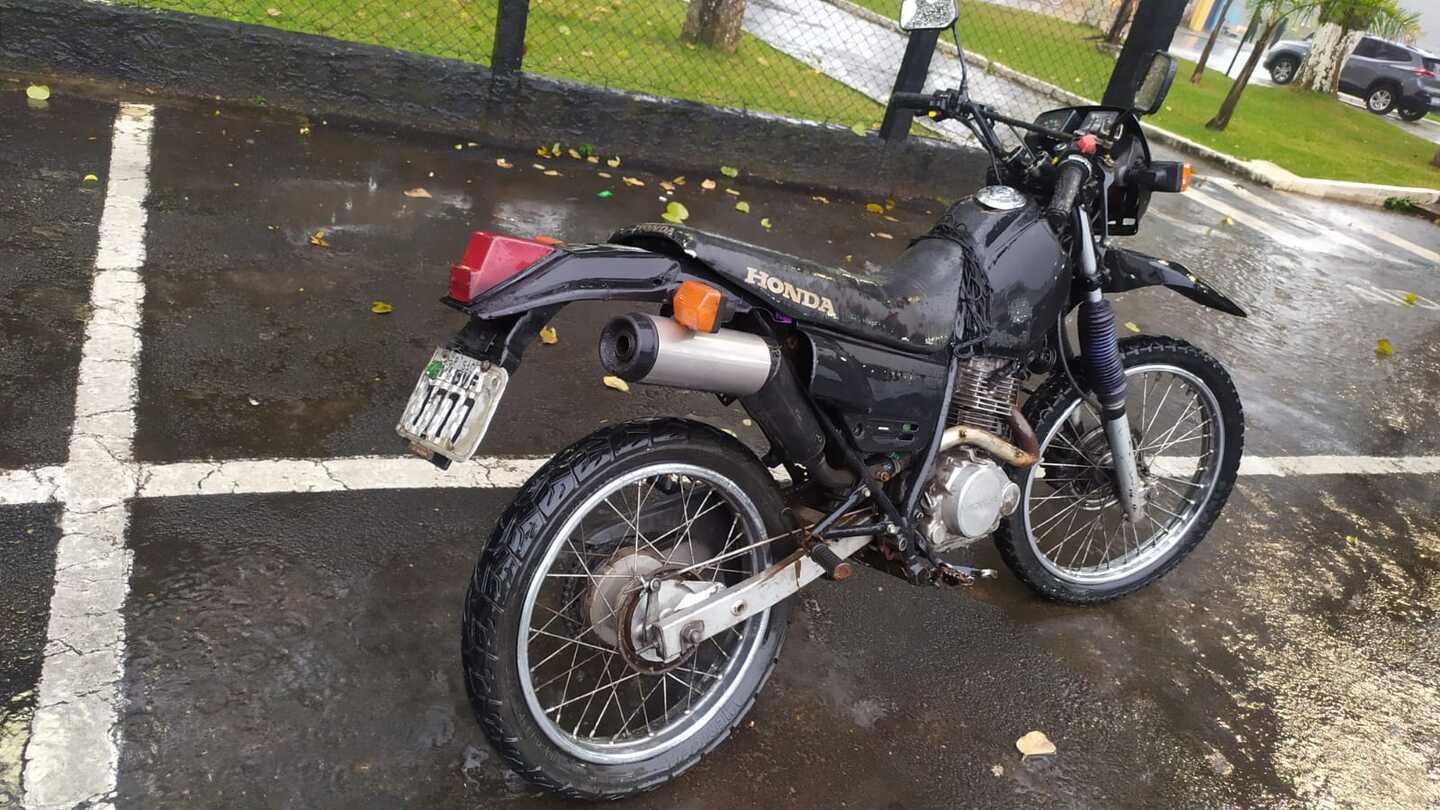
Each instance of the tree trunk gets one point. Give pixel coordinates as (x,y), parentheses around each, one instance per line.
(1210,43)
(1232,99)
(1347,47)
(715,23)
(1122,16)
(1315,68)
(1436,161)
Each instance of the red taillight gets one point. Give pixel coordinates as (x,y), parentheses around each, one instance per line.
(490,259)
(1424,73)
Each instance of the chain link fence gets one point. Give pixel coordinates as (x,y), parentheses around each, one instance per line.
(821,60)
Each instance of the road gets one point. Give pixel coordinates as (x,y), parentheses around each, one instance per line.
(221,584)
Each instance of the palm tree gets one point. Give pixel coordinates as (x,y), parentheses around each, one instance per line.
(1342,20)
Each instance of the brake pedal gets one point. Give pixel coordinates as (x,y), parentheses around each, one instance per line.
(836,569)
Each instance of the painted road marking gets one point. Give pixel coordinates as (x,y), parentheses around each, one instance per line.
(74,748)
(1400,242)
(1314,227)
(1243,218)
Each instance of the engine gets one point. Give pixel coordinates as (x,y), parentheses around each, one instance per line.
(969,493)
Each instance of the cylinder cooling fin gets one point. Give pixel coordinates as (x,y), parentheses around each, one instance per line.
(984,392)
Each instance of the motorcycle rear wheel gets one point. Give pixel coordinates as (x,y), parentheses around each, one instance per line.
(558,674)
(1068,540)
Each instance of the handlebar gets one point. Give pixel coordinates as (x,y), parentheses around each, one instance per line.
(912,101)
(1071,175)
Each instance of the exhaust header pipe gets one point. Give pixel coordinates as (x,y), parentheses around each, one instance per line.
(643,348)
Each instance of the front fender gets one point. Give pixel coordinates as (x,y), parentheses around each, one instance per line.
(1130,270)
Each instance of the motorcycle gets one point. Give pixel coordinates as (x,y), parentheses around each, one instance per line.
(631,601)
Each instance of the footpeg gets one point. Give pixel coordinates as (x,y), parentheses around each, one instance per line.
(963,574)
(835,568)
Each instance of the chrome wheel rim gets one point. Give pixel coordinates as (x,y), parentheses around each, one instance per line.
(1282,71)
(1072,518)
(578,679)
(1380,99)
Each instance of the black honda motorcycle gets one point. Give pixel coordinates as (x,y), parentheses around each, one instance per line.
(631,601)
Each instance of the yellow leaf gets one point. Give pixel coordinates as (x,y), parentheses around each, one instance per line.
(889,218)
(90,178)
(1383,348)
(889,203)
(555,150)
(381,308)
(1411,299)
(542,151)
(707,184)
(504,164)
(38,92)
(548,336)
(676,213)
(417,192)
(552,173)
(605,175)
(318,239)
(732,191)
(858,129)
(1226,221)
(614,162)
(630,181)
(667,185)
(765,223)
(574,153)
(743,207)
(592,159)
(881,235)
(1132,326)
(730,171)
(304,130)
(1035,744)
(679,181)
(272,12)
(616,383)
(1352,539)
(875,208)
(539,167)
(822,200)
(459,147)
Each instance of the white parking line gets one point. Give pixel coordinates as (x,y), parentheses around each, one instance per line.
(1243,218)
(1398,241)
(1314,227)
(74,747)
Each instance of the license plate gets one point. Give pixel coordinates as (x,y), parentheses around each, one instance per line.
(453,403)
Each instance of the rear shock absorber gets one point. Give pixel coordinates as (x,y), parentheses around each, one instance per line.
(1101,348)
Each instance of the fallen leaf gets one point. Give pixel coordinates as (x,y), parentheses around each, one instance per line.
(1132,326)
(889,218)
(539,167)
(1035,744)
(613,162)
(574,153)
(552,173)
(1352,539)
(679,181)
(630,181)
(504,164)
(273,12)
(858,129)
(875,208)
(605,195)
(676,213)
(1383,348)
(90,178)
(318,239)
(616,383)
(765,223)
(1226,221)
(889,203)
(606,175)
(548,336)
(549,240)
(587,149)
(563,29)
(542,151)
(304,131)
(38,92)
(730,171)
(592,159)
(252,400)
(417,192)
(732,191)
(555,150)
(822,200)
(667,185)
(743,207)
(381,308)
(1411,299)
(471,144)
(707,184)
(459,147)
(997,770)
(881,235)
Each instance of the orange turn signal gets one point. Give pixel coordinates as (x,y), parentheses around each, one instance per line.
(697,306)
(1186,171)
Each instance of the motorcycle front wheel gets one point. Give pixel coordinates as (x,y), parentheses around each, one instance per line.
(1069,540)
(560,675)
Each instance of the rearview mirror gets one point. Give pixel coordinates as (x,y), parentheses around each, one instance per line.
(1155,84)
(916,15)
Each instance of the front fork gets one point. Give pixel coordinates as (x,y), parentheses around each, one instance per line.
(1100,346)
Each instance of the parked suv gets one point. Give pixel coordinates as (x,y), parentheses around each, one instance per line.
(1386,75)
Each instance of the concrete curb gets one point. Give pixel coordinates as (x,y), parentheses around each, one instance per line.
(1257,171)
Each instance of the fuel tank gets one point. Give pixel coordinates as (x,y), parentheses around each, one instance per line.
(1026,266)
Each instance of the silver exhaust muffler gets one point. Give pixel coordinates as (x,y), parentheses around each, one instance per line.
(643,348)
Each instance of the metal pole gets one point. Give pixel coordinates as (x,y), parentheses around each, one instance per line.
(509,50)
(1152,29)
(914,67)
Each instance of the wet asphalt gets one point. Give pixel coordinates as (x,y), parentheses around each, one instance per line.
(300,650)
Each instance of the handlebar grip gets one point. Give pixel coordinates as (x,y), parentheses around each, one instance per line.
(1072,174)
(912,101)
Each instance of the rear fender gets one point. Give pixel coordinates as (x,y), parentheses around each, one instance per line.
(1131,270)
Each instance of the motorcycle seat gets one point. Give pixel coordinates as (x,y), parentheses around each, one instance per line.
(911,304)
